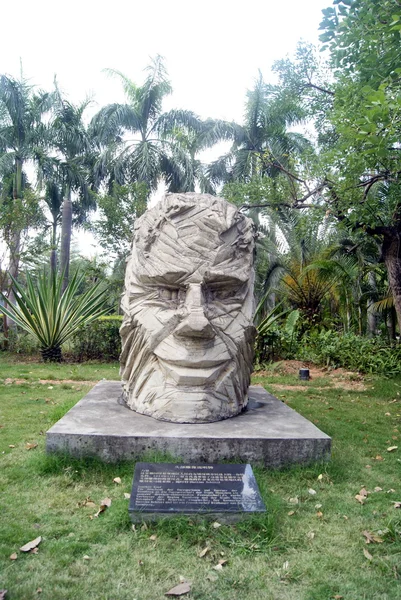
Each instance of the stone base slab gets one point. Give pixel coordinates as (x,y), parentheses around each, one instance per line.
(268,432)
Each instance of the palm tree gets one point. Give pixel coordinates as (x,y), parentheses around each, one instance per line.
(22,141)
(262,146)
(74,149)
(310,271)
(160,142)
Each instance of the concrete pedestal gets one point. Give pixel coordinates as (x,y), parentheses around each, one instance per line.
(268,432)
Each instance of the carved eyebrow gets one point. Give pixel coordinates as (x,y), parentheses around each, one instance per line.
(168,280)
(219,280)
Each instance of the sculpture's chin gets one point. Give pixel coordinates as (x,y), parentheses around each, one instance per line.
(224,395)
(193,406)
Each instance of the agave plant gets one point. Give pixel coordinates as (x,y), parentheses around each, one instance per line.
(52,315)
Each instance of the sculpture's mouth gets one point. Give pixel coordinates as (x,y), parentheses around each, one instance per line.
(203,363)
(192,374)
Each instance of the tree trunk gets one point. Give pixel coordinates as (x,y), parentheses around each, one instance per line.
(14,249)
(66,228)
(14,245)
(53,254)
(372,315)
(392,258)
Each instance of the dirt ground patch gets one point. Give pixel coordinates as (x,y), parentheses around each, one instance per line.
(10,381)
(338,378)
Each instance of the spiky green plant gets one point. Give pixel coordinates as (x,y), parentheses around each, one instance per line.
(52,315)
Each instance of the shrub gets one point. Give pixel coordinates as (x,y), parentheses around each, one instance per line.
(367,355)
(99,339)
(50,314)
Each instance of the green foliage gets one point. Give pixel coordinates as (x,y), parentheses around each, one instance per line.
(52,315)
(350,351)
(263,146)
(98,340)
(154,149)
(117,213)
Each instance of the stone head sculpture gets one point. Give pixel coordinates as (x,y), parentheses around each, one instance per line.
(187,333)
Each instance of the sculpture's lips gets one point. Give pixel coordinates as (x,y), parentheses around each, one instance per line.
(184,375)
(199,365)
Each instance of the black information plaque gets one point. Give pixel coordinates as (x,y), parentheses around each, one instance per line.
(165,489)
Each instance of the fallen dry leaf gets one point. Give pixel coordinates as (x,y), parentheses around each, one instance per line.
(179,590)
(31,545)
(397,504)
(367,554)
(312,492)
(360,498)
(204,552)
(3,594)
(292,512)
(378,489)
(311,535)
(14,556)
(127,496)
(86,557)
(11,446)
(216,525)
(286,566)
(34,551)
(317,506)
(337,597)
(39,591)
(105,503)
(117,480)
(363,492)
(87,502)
(371,538)
(294,500)
(378,457)
(392,448)
(29,446)
(319,515)
(144,527)
(219,566)
(387,414)
(320,477)
(153,537)
(390,491)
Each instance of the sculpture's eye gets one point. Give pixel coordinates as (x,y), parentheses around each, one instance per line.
(169,294)
(224,293)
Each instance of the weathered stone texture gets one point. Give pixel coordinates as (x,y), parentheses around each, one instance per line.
(187,334)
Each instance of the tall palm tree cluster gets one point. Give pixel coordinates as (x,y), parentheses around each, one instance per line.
(56,166)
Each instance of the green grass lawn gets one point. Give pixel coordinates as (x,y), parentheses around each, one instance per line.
(309,545)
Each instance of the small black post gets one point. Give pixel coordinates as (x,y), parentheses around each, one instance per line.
(304,374)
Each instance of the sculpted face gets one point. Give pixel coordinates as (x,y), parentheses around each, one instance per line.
(187,333)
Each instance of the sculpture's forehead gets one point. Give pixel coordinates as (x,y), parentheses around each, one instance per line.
(191,239)
(189,252)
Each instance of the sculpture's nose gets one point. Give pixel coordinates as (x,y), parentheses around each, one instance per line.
(195,323)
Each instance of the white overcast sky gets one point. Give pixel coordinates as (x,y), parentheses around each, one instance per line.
(212,48)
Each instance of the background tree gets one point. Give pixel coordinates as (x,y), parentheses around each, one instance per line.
(22,142)
(74,150)
(141,143)
(264,141)
(356,173)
